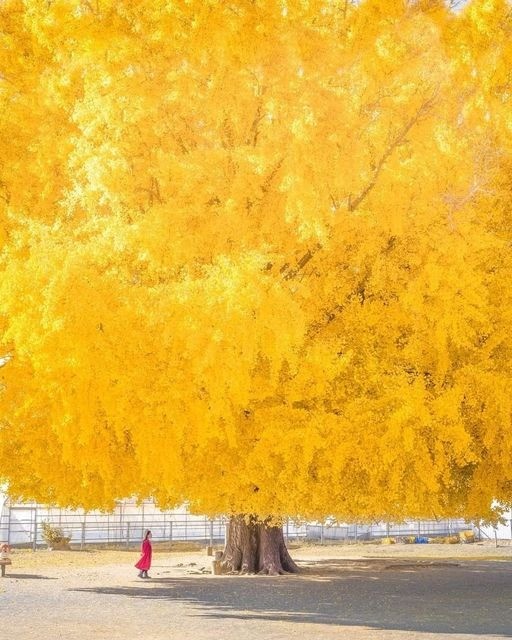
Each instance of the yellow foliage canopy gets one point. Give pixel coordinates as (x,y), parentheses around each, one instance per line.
(256,255)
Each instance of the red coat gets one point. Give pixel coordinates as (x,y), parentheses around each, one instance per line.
(145,560)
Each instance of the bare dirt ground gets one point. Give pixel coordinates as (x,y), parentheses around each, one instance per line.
(360,592)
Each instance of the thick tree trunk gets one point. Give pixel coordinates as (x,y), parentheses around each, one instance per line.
(253,546)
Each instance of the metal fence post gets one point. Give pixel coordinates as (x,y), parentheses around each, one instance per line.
(211,532)
(321,534)
(9,525)
(82,537)
(34,543)
(170,531)
(127,534)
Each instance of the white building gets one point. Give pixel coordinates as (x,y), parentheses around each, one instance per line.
(20,524)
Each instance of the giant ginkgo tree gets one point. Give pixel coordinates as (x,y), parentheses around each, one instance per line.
(256,256)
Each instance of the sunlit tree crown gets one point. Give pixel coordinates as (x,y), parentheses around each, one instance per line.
(256,255)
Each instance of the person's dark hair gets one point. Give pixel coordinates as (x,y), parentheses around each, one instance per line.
(147,534)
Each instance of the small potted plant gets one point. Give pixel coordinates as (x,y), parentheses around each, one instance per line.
(54,537)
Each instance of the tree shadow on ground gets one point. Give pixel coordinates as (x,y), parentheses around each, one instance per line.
(27,576)
(428,596)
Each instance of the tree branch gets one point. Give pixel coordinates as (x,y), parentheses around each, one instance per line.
(396,141)
(289,274)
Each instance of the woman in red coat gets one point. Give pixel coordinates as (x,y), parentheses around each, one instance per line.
(144,564)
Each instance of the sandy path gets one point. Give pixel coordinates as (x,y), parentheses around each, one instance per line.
(358,591)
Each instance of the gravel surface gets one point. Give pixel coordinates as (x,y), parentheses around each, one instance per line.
(357,592)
